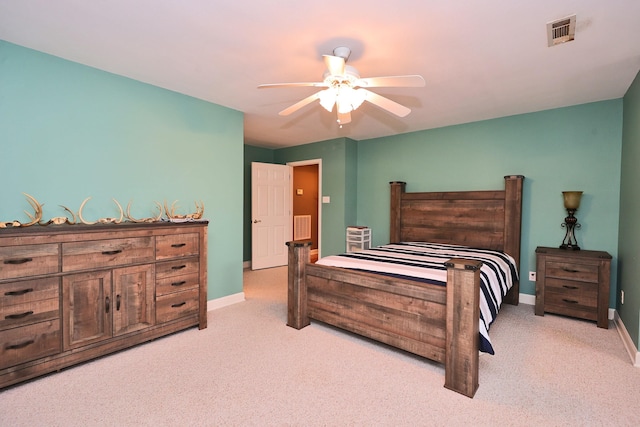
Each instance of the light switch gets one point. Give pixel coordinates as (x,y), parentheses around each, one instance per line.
(326,199)
(299,191)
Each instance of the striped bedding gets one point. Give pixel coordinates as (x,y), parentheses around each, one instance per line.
(425,262)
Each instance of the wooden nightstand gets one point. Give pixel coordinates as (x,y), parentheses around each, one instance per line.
(573,283)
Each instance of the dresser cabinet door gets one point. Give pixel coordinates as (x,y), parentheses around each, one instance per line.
(86,308)
(133,299)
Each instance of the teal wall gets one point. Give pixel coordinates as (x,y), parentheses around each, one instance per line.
(68,132)
(629,246)
(573,148)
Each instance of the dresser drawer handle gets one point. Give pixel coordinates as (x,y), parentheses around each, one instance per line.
(18,261)
(569,301)
(19,346)
(569,270)
(19,316)
(180,304)
(569,287)
(20,292)
(179,283)
(178,267)
(117,251)
(178,245)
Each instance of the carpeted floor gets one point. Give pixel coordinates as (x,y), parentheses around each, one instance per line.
(249,369)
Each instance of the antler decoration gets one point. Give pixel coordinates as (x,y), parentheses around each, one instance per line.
(101,220)
(37,207)
(150,219)
(171,212)
(58,220)
(36,218)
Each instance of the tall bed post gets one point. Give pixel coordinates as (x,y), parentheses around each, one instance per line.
(512,227)
(462,320)
(397,188)
(297,314)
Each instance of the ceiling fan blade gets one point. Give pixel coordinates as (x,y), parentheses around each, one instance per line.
(344,118)
(335,64)
(298,105)
(386,104)
(392,81)
(301,84)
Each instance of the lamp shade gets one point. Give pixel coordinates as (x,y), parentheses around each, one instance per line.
(572,199)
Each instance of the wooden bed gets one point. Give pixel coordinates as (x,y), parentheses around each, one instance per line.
(436,322)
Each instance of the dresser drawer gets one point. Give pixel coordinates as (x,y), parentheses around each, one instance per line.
(573,271)
(19,345)
(177,268)
(30,301)
(169,285)
(174,306)
(106,253)
(28,260)
(177,245)
(26,314)
(28,290)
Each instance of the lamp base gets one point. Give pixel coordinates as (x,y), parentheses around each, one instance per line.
(570,223)
(570,247)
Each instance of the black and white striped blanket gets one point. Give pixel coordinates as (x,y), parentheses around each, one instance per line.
(425,262)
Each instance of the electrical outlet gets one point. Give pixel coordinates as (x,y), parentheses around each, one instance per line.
(621,297)
(532,276)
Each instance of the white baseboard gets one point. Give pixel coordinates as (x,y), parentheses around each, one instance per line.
(527,299)
(634,354)
(217,303)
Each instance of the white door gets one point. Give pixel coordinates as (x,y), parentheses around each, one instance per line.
(271,217)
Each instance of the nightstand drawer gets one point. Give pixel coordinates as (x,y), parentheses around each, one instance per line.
(573,271)
(572,298)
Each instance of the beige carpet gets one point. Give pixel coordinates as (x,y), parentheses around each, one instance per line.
(249,369)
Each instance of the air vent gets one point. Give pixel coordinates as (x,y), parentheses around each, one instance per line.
(561,31)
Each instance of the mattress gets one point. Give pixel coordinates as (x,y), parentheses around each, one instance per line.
(424,262)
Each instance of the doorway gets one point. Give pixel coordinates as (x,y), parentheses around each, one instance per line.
(306,204)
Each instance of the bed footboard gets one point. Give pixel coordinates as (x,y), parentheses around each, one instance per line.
(439,323)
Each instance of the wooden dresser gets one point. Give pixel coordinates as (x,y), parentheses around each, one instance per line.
(573,283)
(70,293)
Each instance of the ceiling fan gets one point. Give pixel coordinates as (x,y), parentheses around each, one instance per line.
(345,90)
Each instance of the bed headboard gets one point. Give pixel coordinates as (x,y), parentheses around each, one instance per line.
(485,219)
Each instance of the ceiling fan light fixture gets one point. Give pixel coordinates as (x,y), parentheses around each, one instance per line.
(327,99)
(349,99)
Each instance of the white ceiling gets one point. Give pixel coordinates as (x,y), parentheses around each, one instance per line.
(480,59)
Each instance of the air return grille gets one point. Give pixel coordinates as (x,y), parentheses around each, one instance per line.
(561,31)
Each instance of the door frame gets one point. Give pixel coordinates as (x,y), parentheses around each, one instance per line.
(307,163)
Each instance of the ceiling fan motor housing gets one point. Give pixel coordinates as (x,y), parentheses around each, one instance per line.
(342,52)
